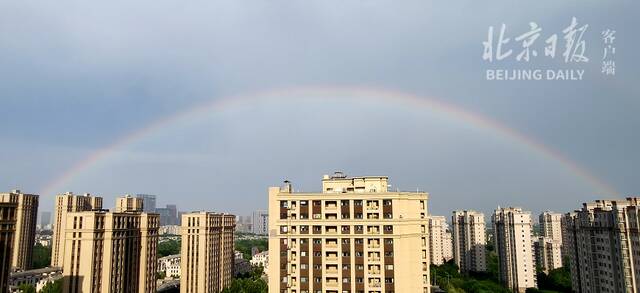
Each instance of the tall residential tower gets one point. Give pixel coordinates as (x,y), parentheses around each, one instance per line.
(513,230)
(110,252)
(65,204)
(207,252)
(469,241)
(26,221)
(354,236)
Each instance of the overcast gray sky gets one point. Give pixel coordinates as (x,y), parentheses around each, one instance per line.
(76,77)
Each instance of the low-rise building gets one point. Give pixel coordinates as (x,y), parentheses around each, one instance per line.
(240,265)
(170,266)
(37,278)
(261,259)
(169,230)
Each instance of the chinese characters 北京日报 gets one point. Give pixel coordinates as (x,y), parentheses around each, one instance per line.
(569,44)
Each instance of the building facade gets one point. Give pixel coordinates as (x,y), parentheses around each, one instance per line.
(260,223)
(551,225)
(26,221)
(128,203)
(65,204)
(437,229)
(8,217)
(355,236)
(110,252)
(512,229)
(168,215)
(207,252)
(261,259)
(469,241)
(170,266)
(606,239)
(548,254)
(447,245)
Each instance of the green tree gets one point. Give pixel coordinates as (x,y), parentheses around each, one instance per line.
(168,247)
(52,287)
(245,246)
(27,288)
(41,256)
(250,282)
(557,280)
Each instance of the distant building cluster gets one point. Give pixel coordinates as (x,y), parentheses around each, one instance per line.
(355,236)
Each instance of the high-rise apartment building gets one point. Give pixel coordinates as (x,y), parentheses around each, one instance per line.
(8,217)
(512,231)
(569,249)
(110,252)
(67,203)
(469,241)
(447,245)
(551,225)
(548,254)
(605,236)
(437,231)
(355,236)
(207,252)
(149,202)
(548,247)
(26,221)
(260,223)
(128,203)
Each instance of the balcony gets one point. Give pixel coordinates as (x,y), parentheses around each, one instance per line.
(332,282)
(373,258)
(332,270)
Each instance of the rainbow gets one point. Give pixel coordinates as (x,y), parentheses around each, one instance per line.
(364,94)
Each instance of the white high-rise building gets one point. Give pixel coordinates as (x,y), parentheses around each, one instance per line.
(447,245)
(469,241)
(513,229)
(605,239)
(437,229)
(260,222)
(551,225)
(548,253)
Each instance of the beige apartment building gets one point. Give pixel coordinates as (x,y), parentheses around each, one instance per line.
(447,245)
(548,254)
(469,241)
(356,236)
(8,217)
(67,203)
(129,203)
(513,230)
(437,231)
(606,239)
(207,252)
(110,252)
(25,235)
